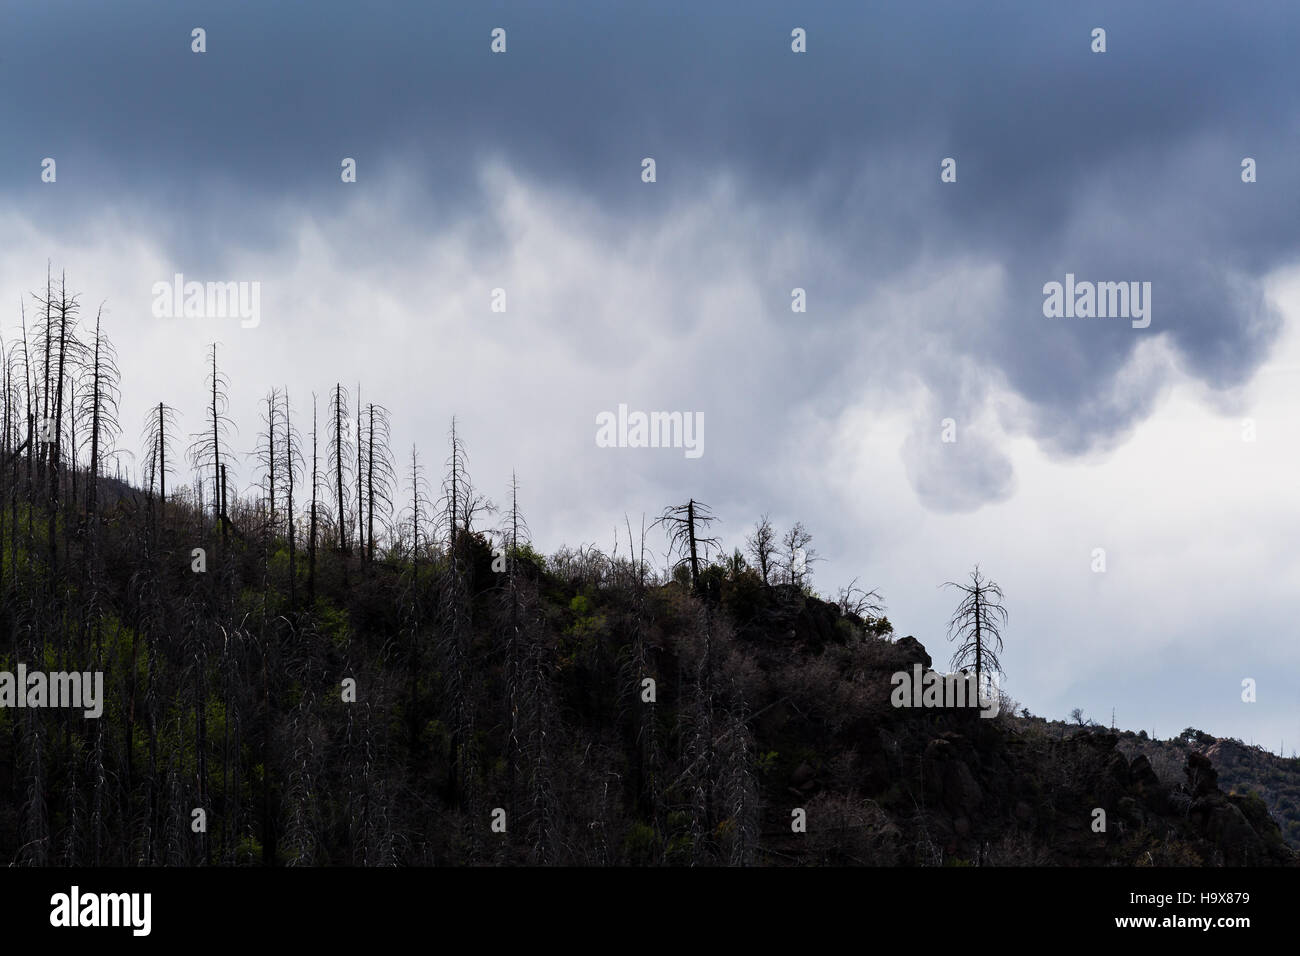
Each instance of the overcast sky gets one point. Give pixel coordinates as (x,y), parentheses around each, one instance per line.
(775,170)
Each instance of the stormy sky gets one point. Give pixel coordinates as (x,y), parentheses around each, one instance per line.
(775,170)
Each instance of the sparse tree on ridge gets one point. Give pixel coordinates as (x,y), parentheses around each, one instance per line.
(855,600)
(796,556)
(380,475)
(100,406)
(684,524)
(977,624)
(761,546)
(209,447)
(157,436)
(338,459)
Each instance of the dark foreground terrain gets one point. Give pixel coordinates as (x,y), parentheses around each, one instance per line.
(466,701)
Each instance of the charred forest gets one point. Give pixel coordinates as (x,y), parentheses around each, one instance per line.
(322,650)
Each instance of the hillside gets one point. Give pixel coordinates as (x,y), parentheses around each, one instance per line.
(1241,769)
(501,715)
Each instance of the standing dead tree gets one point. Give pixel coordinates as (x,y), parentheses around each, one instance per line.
(10,446)
(761,546)
(463,503)
(267,457)
(338,459)
(290,467)
(60,342)
(380,475)
(513,527)
(315,505)
(860,602)
(157,437)
(279,456)
(361,480)
(977,624)
(685,543)
(456,632)
(456,602)
(796,556)
(99,405)
(415,516)
(412,604)
(637,668)
(208,450)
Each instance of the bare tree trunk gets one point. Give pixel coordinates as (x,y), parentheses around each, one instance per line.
(270,459)
(361,535)
(293,552)
(45,371)
(219,471)
(338,465)
(370,478)
(57,434)
(695,560)
(92,491)
(162,467)
(222,493)
(311,540)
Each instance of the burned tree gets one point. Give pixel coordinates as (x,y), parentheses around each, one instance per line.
(380,477)
(683,524)
(312,521)
(99,404)
(208,449)
(761,546)
(859,601)
(267,457)
(59,341)
(977,624)
(796,556)
(457,606)
(280,459)
(416,513)
(290,465)
(338,456)
(157,437)
(361,480)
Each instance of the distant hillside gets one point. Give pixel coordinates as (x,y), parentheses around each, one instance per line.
(1242,769)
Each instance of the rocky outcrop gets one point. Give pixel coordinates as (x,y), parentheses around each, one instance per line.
(1012,790)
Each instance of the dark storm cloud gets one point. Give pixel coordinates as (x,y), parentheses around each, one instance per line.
(1122,166)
